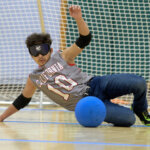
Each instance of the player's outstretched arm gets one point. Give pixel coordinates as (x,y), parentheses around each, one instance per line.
(76,13)
(21,101)
(83,40)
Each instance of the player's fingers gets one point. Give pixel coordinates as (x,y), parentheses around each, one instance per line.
(71,8)
(74,7)
(77,7)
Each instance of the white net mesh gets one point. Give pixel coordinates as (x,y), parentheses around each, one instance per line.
(120,41)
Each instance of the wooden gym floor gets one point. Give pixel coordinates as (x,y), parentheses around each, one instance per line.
(57,129)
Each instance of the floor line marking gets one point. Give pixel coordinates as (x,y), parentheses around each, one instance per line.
(66,123)
(76,142)
(45,122)
(39,109)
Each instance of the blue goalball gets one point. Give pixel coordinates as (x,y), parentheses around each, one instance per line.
(90,111)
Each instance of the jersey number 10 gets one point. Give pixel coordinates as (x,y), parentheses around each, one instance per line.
(69,87)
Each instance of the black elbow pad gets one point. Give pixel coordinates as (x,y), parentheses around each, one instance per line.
(21,101)
(83,40)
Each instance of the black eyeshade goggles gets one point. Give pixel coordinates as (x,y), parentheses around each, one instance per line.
(42,49)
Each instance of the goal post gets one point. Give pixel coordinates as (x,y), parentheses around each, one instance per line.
(120,39)
(41,15)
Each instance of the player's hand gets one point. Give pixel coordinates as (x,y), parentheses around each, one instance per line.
(1,119)
(75,12)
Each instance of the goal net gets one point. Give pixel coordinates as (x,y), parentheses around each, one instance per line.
(120,43)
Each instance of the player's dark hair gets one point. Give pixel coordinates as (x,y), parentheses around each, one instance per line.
(38,38)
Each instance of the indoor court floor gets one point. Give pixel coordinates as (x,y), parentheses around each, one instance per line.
(57,129)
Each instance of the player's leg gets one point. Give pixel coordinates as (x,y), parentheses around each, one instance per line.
(119,115)
(128,83)
(121,84)
(112,86)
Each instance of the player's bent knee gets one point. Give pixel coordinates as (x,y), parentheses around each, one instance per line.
(119,115)
(141,85)
(127,122)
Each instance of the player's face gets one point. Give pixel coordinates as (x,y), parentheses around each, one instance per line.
(41,53)
(42,59)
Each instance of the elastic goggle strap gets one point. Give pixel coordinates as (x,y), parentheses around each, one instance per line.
(42,49)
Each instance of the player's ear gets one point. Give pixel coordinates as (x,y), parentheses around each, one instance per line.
(51,50)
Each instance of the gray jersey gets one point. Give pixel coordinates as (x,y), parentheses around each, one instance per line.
(62,83)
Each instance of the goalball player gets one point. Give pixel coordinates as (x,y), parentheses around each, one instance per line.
(63,82)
